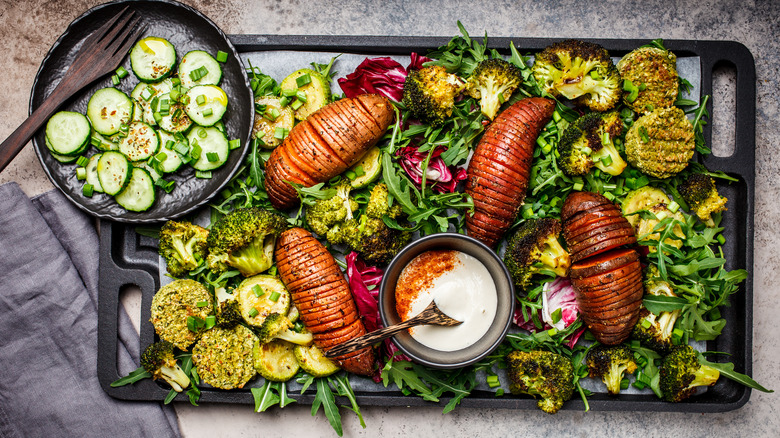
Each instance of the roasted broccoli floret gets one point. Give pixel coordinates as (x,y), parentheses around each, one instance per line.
(545,374)
(580,71)
(660,143)
(699,191)
(244,239)
(681,373)
(327,213)
(655,331)
(534,247)
(429,93)
(228,309)
(611,364)
(492,82)
(277,326)
(589,141)
(183,246)
(159,361)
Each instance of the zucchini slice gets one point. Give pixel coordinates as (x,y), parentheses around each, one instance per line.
(314,86)
(213,146)
(108,109)
(642,199)
(140,143)
(199,68)
(367,170)
(311,360)
(256,296)
(274,121)
(275,360)
(139,195)
(152,58)
(206,104)
(92,176)
(67,133)
(113,171)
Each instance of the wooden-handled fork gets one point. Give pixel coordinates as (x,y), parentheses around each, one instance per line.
(101,54)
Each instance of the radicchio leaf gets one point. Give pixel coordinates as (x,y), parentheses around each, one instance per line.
(382,75)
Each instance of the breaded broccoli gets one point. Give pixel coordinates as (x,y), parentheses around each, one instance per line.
(183,246)
(277,326)
(223,357)
(699,191)
(159,361)
(610,364)
(660,143)
(492,82)
(327,213)
(545,374)
(655,331)
(244,239)
(589,141)
(681,373)
(650,79)
(580,71)
(534,247)
(430,92)
(176,308)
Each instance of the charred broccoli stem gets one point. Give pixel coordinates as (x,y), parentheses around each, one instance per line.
(611,364)
(655,331)
(244,239)
(681,373)
(545,374)
(699,191)
(533,248)
(183,246)
(277,326)
(429,94)
(159,361)
(589,142)
(580,71)
(492,82)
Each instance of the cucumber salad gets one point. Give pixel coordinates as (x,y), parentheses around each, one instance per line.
(171,118)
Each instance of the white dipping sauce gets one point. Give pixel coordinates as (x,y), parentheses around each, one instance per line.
(462,288)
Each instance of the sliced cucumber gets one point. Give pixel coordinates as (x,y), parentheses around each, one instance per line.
(274,120)
(275,360)
(152,58)
(213,145)
(103,143)
(206,104)
(144,94)
(140,143)
(92,176)
(67,133)
(139,194)
(152,172)
(108,109)
(172,160)
(313,85)
(172,117)
(199,68)
(367,170)
(313,361)
(113,171)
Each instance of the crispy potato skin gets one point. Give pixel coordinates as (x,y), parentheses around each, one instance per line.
(501,165)
(322,296)
(325,144)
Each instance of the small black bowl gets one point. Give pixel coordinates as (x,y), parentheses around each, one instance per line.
(504,289)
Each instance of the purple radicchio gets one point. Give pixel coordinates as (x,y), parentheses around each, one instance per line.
(382,75)
(558,294)
(437,174)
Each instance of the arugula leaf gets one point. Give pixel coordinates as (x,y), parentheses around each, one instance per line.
(344,389)
(661,303)
(139,374)
(403,374)
(265,397)
(326,399)
(727,370)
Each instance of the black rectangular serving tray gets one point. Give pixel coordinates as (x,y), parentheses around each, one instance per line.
(128,258)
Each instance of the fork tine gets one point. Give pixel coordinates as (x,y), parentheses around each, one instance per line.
(129,42)
(98,33)
(126,38)
(121,28)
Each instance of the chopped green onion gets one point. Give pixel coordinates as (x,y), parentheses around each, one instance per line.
(234,144)
(222,56)
(169,144)
(721,239)
(207,112)
(82,161)
(578,187)
(301,95)
(643,134)
(557,315)
(213,157)
(594,74)
(646,324)
(275,296)
(200,100)
(162,156)
(297,104)
(253,312)
(624,383)
(609,196)
(202,133)
(202,303)
(195,151)
(303,80)
(115,80)
(284,101)
(492,381)
(350,174)
(271,114)
(633,90)
(586,150)
(290,92)
(157,117)
(499,392)
(121,72)
(280,133)
(81,173)
(606,160)
(175,94)
(146,94)
(211,321)
(258,290)
(203,174)
(673,206)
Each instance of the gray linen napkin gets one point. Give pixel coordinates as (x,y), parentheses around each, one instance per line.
(48,328)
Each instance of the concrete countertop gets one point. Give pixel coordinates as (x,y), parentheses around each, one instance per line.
(29,28)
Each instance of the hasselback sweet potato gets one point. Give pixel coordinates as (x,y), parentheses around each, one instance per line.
(501,165)
(325,144)
(589,225)
(322,296)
